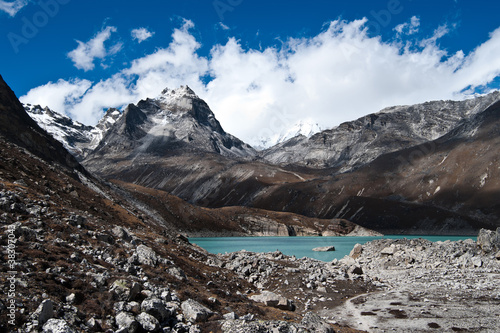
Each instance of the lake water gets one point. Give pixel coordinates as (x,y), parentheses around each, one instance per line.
(299,246)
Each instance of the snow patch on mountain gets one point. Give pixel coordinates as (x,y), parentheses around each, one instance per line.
(305,127)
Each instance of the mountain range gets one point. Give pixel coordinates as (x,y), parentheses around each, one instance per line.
(174,143)
(97,242)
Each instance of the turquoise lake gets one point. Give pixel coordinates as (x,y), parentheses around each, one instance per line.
(299,246)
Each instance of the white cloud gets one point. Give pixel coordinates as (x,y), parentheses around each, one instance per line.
(336,76)
(12,7)
(408,28)
(141,34)
(84,55)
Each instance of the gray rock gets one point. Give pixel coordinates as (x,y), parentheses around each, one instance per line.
(488,240)
(274,300)
(146,255)
(194,311)
(230,316)
(148,322)
(356,251)
(94,325)
(355,270)
(390,250)
(177,273)
(120,289)
(71,298)
(157,308)
(315,324)
(121,233)
(44,312)
(125,320)
(324,249)
(57,326)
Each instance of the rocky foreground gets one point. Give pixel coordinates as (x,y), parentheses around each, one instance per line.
(412,286)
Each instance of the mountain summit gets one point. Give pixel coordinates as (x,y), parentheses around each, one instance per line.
(177,121)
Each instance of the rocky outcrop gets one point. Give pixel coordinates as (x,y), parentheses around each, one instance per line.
(489,240)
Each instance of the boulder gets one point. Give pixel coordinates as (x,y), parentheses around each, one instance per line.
(120,289)
(314,323)
(356,251)
(121,233)
(194,311)
(146,255)
(157,308)
(355,270)
(125,320)
(324,248)
(57,326)
(44,312)
(148,322)
(390,250)
(488,240)
(177,273)
(274,300)
(230,316)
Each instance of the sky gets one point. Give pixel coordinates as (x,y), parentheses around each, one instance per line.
(262,66)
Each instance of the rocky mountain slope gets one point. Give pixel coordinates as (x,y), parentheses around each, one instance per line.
(176,121)
(446,185)
(353,144)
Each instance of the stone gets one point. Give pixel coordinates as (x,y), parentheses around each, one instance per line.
(121,233)
(324,249)
(356,251)
(94,325)
(195,312)
(314,323)
(71,298)
(355,270)
(477,262)
(274,300)
(125,320)
(177,273)
(57,326)
(230,316)
(488,240)
(120,289)
(135,290)
(390,250)
(44,312)
(148,322)
(497,256)
(157,308)
(146,255)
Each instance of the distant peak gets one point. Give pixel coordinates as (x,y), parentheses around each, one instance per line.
(182,91)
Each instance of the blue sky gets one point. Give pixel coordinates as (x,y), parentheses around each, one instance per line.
(261,65)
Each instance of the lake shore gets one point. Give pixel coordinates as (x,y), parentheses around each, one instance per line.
(397,285)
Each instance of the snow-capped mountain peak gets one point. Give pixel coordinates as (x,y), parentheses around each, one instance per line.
(304,127)
(73,135)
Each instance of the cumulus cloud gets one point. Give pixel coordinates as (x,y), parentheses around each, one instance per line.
(12,7)
(141,34)
(408,28)
(84,55)
(338,75)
